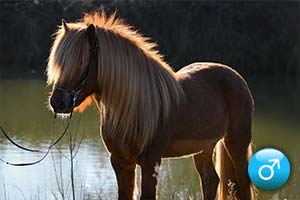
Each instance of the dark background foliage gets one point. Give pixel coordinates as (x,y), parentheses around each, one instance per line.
(250,36)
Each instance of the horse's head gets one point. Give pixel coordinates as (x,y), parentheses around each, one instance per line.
(72,67)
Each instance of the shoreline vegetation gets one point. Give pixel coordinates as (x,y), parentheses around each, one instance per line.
(251,37)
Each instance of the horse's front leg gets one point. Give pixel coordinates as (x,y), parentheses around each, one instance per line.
(150,169)
(125,173)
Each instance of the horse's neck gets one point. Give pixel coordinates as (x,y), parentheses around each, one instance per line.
(137,90)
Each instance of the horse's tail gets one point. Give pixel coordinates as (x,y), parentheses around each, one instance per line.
(225,170)
(232,185)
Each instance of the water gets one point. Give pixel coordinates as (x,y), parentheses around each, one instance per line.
(24,113)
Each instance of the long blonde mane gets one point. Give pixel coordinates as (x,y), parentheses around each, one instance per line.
(137,88)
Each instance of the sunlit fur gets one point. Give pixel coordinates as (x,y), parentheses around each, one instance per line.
(137,87)
(87,101)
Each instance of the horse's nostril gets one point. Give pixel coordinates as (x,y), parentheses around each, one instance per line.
(57,105)
(60,104)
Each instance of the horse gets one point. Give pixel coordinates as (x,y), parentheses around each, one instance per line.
(148,112)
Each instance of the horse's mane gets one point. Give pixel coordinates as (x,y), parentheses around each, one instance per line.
(137,88)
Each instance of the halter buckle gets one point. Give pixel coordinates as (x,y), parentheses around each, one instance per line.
(74,100)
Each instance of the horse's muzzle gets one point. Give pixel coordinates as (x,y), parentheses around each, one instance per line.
(61,105)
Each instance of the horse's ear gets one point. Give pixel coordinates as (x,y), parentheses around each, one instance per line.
(64,25)
(91,33)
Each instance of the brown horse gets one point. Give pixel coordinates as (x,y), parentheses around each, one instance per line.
(149,112)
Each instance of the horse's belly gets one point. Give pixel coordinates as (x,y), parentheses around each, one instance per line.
(188,147)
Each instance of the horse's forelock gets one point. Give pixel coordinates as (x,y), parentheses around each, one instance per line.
(69,54)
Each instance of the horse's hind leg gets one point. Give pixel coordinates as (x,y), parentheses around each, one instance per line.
(239,149)
(208,176)
(125,173)
(237,144)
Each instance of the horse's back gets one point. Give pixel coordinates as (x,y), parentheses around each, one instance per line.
(220,80)
(218,77)
(208,71)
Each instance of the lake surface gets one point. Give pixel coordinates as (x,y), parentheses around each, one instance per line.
(24,114)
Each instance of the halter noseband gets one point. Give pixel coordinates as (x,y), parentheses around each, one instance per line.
(73,94)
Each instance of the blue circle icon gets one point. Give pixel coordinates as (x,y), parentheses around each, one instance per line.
(269,169)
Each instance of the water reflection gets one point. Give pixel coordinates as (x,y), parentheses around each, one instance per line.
(23,111)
